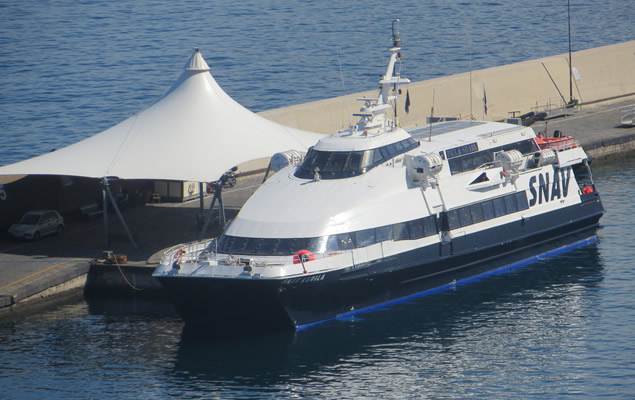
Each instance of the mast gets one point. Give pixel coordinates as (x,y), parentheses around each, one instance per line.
(570,65)
(372,114)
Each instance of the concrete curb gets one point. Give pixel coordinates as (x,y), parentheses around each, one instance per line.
(57,280)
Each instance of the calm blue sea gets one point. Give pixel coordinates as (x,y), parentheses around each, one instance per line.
(70,69)
(559,328)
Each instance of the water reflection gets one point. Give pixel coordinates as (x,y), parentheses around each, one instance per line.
(538,305)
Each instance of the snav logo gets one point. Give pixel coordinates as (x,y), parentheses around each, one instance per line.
(546,190)
(3,193)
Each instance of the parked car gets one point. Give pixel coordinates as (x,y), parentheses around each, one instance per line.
(37,223)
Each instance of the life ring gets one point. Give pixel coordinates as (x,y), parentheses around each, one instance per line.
(587,189)
(302,256)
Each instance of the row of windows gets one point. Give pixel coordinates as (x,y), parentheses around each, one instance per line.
(486,210)
(472,161)
(344,241)
(344,164)
(408,230)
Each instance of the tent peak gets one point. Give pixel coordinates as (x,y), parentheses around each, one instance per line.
(196,63)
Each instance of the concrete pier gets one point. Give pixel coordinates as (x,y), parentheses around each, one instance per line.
(32,270)
(605,74)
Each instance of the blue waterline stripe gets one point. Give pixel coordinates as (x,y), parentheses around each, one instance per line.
(441,288)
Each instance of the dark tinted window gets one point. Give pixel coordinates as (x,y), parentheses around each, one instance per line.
(521,201)
(477,213)
(238,245)
(318,244)
(400,231)
(332,243)
(465,216)
(383,233)
(269,246)
(488,210)
(471,161)
(364,238)
(453,219)
(430,226)
(416,229)
(499,207)
(345,242)
(510,204)
(336,165)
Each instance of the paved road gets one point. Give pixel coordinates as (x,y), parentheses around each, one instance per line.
(155,227)
(594,124)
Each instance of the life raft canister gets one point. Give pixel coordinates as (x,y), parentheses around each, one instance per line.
(302,256)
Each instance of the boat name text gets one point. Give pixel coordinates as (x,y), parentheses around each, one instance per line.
(559,188)
(305,279)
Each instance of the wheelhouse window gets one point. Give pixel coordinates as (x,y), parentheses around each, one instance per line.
(346,164)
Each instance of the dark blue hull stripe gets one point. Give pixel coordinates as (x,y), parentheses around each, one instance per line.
(463,281)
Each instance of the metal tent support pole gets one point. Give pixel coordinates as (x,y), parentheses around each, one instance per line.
(105,207)
(116,207)
(218,195)
(201,195)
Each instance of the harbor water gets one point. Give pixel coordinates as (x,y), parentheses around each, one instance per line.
(557,328)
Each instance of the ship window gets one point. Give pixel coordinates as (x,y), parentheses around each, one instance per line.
(392,150)
(416,229)
(465,216)
(521,200)
(479,159)
(477,213)
(377,156)
(336,162)
(510,204)
(253,245)
(364,238)
(400,231)
(469,162)
(345,164)
(318,244)
(499,207)
(331,243)
(221,244)
(285,247)
(453,219)
(238,245)
(383,233)
(290,246)
(299,244)
(488,210)
(269,246)
(429,226)
(344,241)
(354,161)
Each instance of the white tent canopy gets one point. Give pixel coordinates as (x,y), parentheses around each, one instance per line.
(194,133)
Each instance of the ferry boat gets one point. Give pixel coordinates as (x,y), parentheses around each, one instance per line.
(376,213)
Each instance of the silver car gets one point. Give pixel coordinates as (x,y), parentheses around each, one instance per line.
(35,224)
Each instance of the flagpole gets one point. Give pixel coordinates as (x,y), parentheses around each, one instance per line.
(484,103)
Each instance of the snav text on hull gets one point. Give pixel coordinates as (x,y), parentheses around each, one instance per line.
(376,213)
